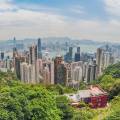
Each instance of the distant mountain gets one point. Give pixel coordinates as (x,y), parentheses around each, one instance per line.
(88,42)
(52,40)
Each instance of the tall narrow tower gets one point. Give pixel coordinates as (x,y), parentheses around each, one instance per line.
(32,54)
(14,48)
(39,49)
(77,55)
(14,42)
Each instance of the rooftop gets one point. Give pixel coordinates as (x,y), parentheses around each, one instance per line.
(92,91)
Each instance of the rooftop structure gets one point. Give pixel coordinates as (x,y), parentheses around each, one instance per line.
(94,95)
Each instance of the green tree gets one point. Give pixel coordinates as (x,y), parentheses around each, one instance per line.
(63,105)
(26,102)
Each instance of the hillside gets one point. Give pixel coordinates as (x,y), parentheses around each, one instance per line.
(19,101)
(25,102)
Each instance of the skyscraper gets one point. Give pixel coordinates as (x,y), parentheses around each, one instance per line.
(68,56)
(39,49)
(14,42)
(99,60)
(18,60)
(39,71)
(2,55)
(70,51)
(78,49)
(32,54)
(46,75)
(77,55)
(59,71)
(90,72)
(74,73)
(27,73)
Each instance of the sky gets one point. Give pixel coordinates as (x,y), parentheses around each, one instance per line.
(97,20)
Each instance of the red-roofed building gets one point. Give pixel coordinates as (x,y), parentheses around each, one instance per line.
(94,96)
(98,97)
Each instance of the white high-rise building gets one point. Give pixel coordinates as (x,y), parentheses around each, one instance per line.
(77,74)
(33,77)
(27,73)
(23,72)
(46,75)
(85,71)
(39,71)
(100,61)
(89,71)
(8,63)
(107,57)
(74,72)
(52,72)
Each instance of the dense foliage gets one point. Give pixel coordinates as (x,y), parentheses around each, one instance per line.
(63,105)
(110,80)
(25,102)
(59,89)
(114,110)
(113,70)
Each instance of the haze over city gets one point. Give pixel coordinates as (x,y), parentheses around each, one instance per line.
(79,19)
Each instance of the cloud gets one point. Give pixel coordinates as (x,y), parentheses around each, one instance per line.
(6,5)
(76,9)
(24,23)
(113,7)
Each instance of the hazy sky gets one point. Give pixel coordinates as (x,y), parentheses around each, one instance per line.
(81,19)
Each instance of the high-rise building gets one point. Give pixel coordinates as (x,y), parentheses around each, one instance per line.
(77,74)
(68,73)
(8,64)
(77,55)
(14,42)
(70,51)
(39,71)
(32,54)
(107,57)
(104,58)
(66,45)
(27,72)
(17,67)
(100,61)
(59,71)
(52,72)
(39,49)
(74,73)
(68,56)
(2,55)
(93,71)
(46,75)
(18,60)
(32,74)
(24,72)
(15,53)
(90,72)
(78,49)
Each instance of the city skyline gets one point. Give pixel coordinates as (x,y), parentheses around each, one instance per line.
(59,59)
(98,20)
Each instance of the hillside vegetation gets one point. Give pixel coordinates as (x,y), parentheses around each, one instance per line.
(20,101)
(25,102)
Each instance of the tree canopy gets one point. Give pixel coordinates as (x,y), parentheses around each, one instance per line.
(26,102)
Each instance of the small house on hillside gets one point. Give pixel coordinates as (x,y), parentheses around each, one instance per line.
(94,96)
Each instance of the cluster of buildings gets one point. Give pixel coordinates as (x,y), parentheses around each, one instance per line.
(104,58)
(33,67)
(5,63)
